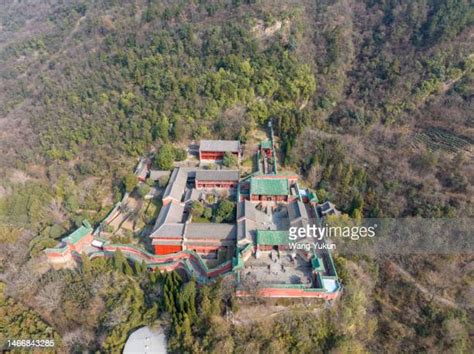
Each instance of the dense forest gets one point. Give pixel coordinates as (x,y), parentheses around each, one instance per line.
(372,104)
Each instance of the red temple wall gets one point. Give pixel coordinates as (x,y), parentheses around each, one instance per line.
(167,249)
(216,184)
(274,198)
(213,155)
(281,292)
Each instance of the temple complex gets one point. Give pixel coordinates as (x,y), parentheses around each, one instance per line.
(253,246)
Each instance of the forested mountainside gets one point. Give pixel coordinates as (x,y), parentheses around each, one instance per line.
(371,101)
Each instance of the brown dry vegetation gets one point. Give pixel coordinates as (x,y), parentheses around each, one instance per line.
(372,103)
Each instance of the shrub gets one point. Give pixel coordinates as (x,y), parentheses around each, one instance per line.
(143,189)
(165,157)
(207,213)
(230,160)
(197,209)
(129,182)
(225,211)
(180,154)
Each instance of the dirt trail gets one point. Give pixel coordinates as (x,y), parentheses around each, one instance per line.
(428,293)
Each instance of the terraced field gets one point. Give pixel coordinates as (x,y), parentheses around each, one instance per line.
(440,139)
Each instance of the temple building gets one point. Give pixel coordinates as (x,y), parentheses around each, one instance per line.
(266,148)
(217,179)
(210,238)
(174,232)
(180,179)
(214,150)
(72,245)
(186,182)
(167,234)
(273,188)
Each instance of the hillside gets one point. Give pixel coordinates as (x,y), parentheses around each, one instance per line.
(371,101)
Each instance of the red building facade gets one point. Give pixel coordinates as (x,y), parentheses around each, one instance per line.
(167,249)
(214,155)
(271,198)
(215,184)
(220,179)
(214,150)
(74,244)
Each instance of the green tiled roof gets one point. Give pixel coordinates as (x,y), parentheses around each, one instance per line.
(317,264)
(266,144)
(312,197)
(269,186)
(272,237)
(77,235)
(237,263)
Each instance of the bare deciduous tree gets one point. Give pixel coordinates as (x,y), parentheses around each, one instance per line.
(49,296)
(79,337)
(57,212)
(118,315)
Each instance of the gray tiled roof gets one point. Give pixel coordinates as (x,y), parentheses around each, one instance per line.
(175,186)
(246,209)
(168,230)
(170,213)
(240,210)
(297,210)
(251,219)
(169,222)
(241,230)
(142,168)
(166,242)
(212,242)
(220,145)
(217,175)
(142,172)
(327,208)
(193,194)
(210,231)
(246,230)
(177,183)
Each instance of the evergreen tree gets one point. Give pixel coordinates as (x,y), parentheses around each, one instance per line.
(118,260)
(86,265)
(205,308)
(129,182)
(165,157)
(229,160)
(225,211)
(144,267)
(127,269)
(137,267)
(357,205)
(186,336)
(197,208)
(189,295)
